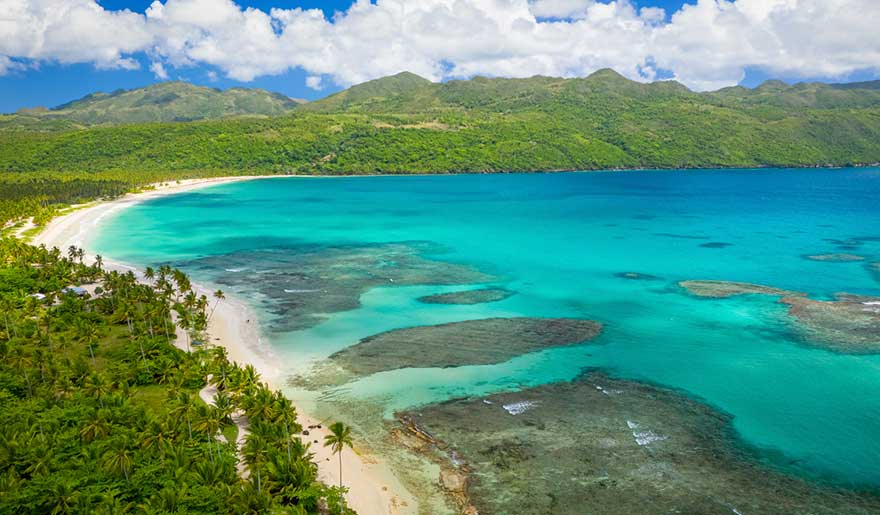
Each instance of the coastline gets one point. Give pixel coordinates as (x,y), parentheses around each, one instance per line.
(373,488)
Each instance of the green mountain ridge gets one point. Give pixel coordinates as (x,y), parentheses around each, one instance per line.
(407,124)
(409,93)
(164,102)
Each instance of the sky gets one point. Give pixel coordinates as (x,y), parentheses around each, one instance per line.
(54,51)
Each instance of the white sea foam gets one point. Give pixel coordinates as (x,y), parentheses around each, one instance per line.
(234,270)
(487,401)
(607,391)
(644,437)
(515,408)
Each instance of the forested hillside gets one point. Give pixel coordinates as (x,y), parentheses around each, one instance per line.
(406,124)
(163,102)
(102,415)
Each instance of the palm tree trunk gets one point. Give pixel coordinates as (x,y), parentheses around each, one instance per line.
(287,432)
(340,469)
(28,380)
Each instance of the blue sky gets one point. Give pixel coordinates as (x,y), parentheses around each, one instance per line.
(42,81)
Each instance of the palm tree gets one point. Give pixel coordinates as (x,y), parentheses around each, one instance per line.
(256,453)
(64,496)
(285,413)
(218,296)
(149,274)
(97,386)
(185,407)
(339,437)
(22,361)
(223,403)
(88,333)
(293,482)
(157,435)
(119,457)
(209,422)
(261,405)
(96,426)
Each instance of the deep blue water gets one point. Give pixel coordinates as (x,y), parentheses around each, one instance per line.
(559,240)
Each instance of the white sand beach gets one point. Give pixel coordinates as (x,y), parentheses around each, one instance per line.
(373,488)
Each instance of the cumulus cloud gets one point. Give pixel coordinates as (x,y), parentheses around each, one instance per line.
(7,65)
(560,9)
(314,82)
(706,45)
(158,70)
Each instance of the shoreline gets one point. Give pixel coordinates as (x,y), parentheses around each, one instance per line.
(373,487)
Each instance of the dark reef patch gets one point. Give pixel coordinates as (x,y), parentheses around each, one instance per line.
(300,284)
(715,245)
(480,296)
(600,445)
(680,236)
(472,342)
(637,276)
(848,324)
(724,289)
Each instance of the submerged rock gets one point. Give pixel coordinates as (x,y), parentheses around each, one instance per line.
(472,342)
(483,295)
(849,324)
(300,285)
(577,450)
(636,276)
(724,289)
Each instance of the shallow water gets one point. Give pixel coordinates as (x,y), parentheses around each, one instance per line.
(561,242)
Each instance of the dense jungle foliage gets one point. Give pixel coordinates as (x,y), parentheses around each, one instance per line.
(102,415)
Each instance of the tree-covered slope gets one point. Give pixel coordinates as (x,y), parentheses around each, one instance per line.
(406,124)
(408,93)
(163,102)
(102,415)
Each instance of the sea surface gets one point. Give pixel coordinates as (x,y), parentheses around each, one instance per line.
(560,241)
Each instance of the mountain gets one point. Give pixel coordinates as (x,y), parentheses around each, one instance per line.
(401,92)
(406,124)
(163,102)
(409,93)
(803,95)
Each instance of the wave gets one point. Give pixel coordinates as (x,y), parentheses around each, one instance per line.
(515,408)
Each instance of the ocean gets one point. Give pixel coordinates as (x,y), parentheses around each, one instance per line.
(327,262)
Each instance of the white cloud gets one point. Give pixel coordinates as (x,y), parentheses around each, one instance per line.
(7,65)
(705,45)
(559,8)
(314,82)
(158,70)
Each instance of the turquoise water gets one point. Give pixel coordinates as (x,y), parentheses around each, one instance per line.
(559,240)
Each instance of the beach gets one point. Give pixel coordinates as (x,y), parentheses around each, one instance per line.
(373,488)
